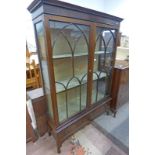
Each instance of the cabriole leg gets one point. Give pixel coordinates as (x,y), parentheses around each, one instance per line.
(58,147)
(49,132)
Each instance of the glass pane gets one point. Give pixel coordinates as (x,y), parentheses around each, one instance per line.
(49,101)
(45,73)
(43,65)
(83,96)
(102,63)
(80,66)
(41,41)
(94,90)
(70,61)
(109,41)
(63,69)
(73,101)
(62,110)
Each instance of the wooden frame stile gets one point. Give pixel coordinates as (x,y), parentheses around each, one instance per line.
(91,62)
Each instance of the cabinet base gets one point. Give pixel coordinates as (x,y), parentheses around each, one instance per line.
(79,121)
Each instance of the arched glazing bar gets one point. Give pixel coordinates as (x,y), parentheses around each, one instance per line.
(102,39)
(72,47)
(111,38)
(71,80)
(100,36)
(113,41)
(73,106)
(69,24)
(84,35)
(59,32)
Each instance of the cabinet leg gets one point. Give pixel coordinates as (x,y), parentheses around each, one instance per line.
(115,113)
(107,110)
(58,149)
(59,144)
(49,132)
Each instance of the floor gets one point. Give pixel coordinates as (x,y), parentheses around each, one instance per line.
(116,128)
(94,142)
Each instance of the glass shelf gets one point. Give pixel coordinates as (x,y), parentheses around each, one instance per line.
(69,55)
(101,52)
(60,88)
(76,55)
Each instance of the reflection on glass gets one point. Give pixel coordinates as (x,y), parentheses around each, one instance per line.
(70,61)
(49,101)
(62,106)
(102,63)
(45,73)
(41,41)
(83,96)
(44,68)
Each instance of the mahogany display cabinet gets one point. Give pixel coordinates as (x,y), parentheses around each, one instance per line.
(76,48)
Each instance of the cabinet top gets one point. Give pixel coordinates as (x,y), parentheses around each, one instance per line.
(52,6)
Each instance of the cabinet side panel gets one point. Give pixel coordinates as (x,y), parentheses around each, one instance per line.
(43,63)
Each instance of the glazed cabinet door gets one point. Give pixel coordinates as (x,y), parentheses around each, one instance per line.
(70,51)
(103,57)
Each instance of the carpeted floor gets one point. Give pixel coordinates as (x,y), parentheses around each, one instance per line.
(122,132)
(93,141)
(116,129)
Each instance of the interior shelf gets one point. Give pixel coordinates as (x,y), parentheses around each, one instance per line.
(60,88)
(68,55)
(75,55)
